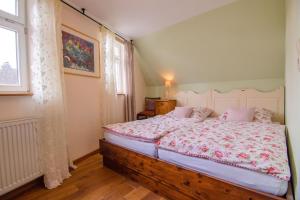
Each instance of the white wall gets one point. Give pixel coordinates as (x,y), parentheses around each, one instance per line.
(292,77)
(83,96)
(83,99)
(15,107)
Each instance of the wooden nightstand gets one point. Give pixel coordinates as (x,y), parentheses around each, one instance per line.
(164,106)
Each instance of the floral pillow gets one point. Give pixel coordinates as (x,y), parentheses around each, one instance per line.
(201,113)
(263,115)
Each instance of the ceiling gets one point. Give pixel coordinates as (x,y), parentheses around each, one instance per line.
(137,18)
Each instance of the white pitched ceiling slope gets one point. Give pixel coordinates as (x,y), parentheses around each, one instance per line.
(136,18)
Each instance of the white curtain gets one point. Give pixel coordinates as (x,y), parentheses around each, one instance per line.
(110,107)
(47,87)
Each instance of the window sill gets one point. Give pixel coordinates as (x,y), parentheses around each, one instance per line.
(16,94)
(120,94)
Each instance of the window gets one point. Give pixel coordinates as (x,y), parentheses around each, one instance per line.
(13,66)
(119,65)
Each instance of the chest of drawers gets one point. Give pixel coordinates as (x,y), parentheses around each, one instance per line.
(164,106)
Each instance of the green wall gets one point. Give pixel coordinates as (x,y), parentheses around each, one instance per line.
(292,77)
(245,44)
(241,41)
(260,84)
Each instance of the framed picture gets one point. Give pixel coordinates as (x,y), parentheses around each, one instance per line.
(81,53)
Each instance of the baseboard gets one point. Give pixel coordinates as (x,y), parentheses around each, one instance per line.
(79,160)
(20,190)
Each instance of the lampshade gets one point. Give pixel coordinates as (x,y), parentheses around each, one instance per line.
(168,83)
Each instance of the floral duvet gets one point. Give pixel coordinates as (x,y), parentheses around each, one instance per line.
(152,129)
(251,145)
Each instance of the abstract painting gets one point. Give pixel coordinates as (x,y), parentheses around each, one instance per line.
(80,53)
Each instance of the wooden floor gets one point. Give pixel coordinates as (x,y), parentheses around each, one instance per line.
(92,181)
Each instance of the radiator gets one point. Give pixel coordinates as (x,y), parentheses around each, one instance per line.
(19,153)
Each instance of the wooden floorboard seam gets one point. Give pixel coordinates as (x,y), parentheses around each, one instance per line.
(92,181)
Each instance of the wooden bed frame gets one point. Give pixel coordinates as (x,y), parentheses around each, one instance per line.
(174,182)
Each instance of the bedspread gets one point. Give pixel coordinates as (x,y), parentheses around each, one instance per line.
(251,145)
(152,129)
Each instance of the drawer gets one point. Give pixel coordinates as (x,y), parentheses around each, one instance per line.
(162,104)
(163,107)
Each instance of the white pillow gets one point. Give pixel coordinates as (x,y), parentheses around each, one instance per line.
(238,114)
(183,112)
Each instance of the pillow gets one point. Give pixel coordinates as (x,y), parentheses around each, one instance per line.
(183,112)
(263,115)
(201,113)
(238,114)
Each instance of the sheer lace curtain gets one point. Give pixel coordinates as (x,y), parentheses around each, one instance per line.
(47,87)
(110,110)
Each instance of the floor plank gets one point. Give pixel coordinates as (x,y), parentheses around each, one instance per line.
(92,181)
(137,194)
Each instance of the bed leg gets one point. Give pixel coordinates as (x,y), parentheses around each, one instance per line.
(289,194)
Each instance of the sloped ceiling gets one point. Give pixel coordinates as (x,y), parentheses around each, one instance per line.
(240,41)
(135,18)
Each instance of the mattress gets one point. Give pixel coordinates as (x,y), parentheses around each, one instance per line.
(147,148)
(247,178)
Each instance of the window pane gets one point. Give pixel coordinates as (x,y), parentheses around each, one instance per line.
(8,57)
(119,67)
(9,6)
(117,76)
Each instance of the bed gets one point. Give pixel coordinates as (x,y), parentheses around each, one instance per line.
(179,176)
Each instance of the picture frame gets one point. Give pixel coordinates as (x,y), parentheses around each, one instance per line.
(81,53)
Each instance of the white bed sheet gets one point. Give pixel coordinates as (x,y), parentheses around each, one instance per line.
(146,148)
(244,177)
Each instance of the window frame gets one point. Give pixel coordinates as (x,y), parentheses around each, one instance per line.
(17,24)
(21,13)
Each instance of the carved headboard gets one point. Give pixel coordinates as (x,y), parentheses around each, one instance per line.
(193,99)
(246,98)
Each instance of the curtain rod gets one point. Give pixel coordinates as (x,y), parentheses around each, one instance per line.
(82,11)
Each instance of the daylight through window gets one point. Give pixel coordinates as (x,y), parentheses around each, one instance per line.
(13,66)
(119,67)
